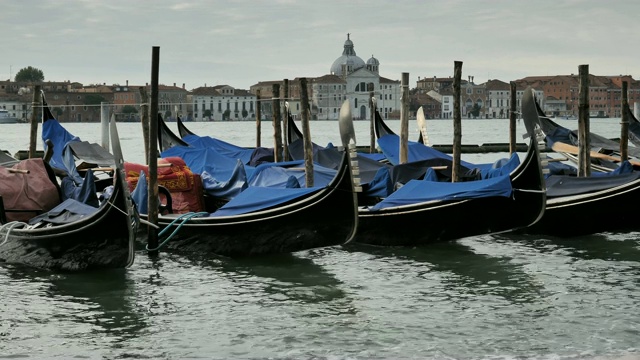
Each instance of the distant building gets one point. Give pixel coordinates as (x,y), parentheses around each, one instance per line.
(222,103)
(350,78)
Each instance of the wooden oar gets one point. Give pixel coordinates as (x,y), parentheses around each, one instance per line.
(571,149)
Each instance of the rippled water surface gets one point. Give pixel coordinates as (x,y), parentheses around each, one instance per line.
(502,296)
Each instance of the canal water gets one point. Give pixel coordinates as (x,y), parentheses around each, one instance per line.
(485,297)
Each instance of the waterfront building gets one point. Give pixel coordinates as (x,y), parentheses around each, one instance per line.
(350,78)
(498,99)
(222,103)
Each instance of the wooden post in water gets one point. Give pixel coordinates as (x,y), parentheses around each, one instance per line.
(35,105)
(277,132)
(153,203)
(285,122)
(404,119)
(144,120)
(584,143)
(258,118)
(372,109)
(104,124)
(512,118)
(306,133)
(624,124)
(457,122)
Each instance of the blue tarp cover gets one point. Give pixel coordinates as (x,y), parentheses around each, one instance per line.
(278,174)
(390,146)
(259,198)
(222,147)
(226,189)
(85,192)
(140,194)
(418,191)
(60,137)
(67,212)
(220,167)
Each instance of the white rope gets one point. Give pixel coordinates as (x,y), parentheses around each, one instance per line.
(142,221)
(8,227)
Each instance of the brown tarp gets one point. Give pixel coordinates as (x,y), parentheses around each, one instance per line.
(26,195)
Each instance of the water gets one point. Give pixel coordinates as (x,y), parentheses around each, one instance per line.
(496,297)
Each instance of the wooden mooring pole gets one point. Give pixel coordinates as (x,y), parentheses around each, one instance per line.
(144,120)
(624,124)
(584,143)
(457,121)
(512,118)
(285,122)
(104,124)
(153,202)
(277,130)
(404,119)
(372,110)
(258,119)
(35,105)
(306,133)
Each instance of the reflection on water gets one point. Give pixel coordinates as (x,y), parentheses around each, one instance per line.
(491,296)
(624,246)
(466,271)
(68,307)
(283,276)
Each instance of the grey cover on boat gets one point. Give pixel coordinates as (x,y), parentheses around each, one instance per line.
(91,155)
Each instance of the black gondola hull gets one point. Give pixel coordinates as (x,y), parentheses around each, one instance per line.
(435,221)
(325,218)
(613,209)
(102,240)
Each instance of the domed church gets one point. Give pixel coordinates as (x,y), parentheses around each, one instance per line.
(350,78)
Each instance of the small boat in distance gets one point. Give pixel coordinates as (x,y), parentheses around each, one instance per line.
(6,118)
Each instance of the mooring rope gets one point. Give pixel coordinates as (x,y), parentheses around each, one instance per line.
(183,219)
(8,227)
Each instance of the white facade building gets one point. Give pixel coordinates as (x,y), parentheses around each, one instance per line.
(222,103)
(350,79)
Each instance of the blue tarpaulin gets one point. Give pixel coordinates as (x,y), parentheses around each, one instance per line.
(418,191)
(206,159)
(222,147)
(278,174)
(60,137)
(258,198)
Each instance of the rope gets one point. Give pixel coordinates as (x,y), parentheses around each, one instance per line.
(8,227)
(183,219)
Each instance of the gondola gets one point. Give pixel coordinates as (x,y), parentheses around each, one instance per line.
(70,236)
(585,205)
(416,215)
(268,220)
(604,152)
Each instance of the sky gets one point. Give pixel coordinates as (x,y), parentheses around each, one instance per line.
(243,42)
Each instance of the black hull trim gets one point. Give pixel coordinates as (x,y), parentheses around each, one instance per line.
(104,240)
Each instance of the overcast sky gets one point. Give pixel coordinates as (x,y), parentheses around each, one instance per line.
(242,42)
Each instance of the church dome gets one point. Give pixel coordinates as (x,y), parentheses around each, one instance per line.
(348,58)
(373,61)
